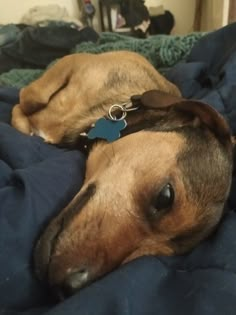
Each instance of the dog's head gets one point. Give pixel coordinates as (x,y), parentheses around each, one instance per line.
(157,191)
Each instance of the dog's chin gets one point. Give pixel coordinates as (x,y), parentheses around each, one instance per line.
(41,259)
(44,249)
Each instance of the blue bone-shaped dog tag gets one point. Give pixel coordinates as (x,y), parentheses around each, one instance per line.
(107,129)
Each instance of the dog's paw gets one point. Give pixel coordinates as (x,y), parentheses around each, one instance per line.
(46,138)
(20,121)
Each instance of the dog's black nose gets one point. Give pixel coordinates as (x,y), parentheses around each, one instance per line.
(75,280)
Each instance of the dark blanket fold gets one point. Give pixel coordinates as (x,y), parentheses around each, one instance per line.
(37,180)
(209,72)
(37,46)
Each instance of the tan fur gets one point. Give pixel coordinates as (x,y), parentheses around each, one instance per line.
(117,176)
(80,88)
(113,228)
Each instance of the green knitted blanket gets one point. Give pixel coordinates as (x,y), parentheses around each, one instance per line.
(163,51)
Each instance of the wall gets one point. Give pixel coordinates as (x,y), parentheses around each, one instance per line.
(214,14)
(11,11)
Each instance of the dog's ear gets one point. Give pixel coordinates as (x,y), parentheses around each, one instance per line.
(202,113)
(157,99)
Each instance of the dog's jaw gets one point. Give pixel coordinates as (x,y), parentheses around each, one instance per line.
(114,215)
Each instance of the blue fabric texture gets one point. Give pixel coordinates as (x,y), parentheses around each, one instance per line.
(208,73)
(37,180)
(8,33)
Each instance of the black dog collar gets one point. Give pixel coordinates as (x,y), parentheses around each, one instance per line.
(109,127)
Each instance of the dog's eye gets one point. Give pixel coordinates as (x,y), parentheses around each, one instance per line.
(164,200)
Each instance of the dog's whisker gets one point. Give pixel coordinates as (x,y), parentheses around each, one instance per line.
(113,151)
(102,219)
(107,156)
(134,215)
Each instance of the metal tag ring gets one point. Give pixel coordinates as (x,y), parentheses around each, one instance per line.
(115,107)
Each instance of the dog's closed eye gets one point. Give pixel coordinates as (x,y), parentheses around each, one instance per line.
(163,201)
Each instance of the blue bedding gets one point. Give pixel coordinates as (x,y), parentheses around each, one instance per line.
(37,180)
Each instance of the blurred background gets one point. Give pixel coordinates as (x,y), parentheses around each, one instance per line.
(183,16)
(34,34)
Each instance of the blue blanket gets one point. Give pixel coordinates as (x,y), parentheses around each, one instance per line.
(37,180)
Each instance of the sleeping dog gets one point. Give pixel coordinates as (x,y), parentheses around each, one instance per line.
(158,169)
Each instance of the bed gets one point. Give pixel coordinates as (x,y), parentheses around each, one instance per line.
(37,180)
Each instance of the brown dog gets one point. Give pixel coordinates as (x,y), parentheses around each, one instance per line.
(158,190)
(80,89)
